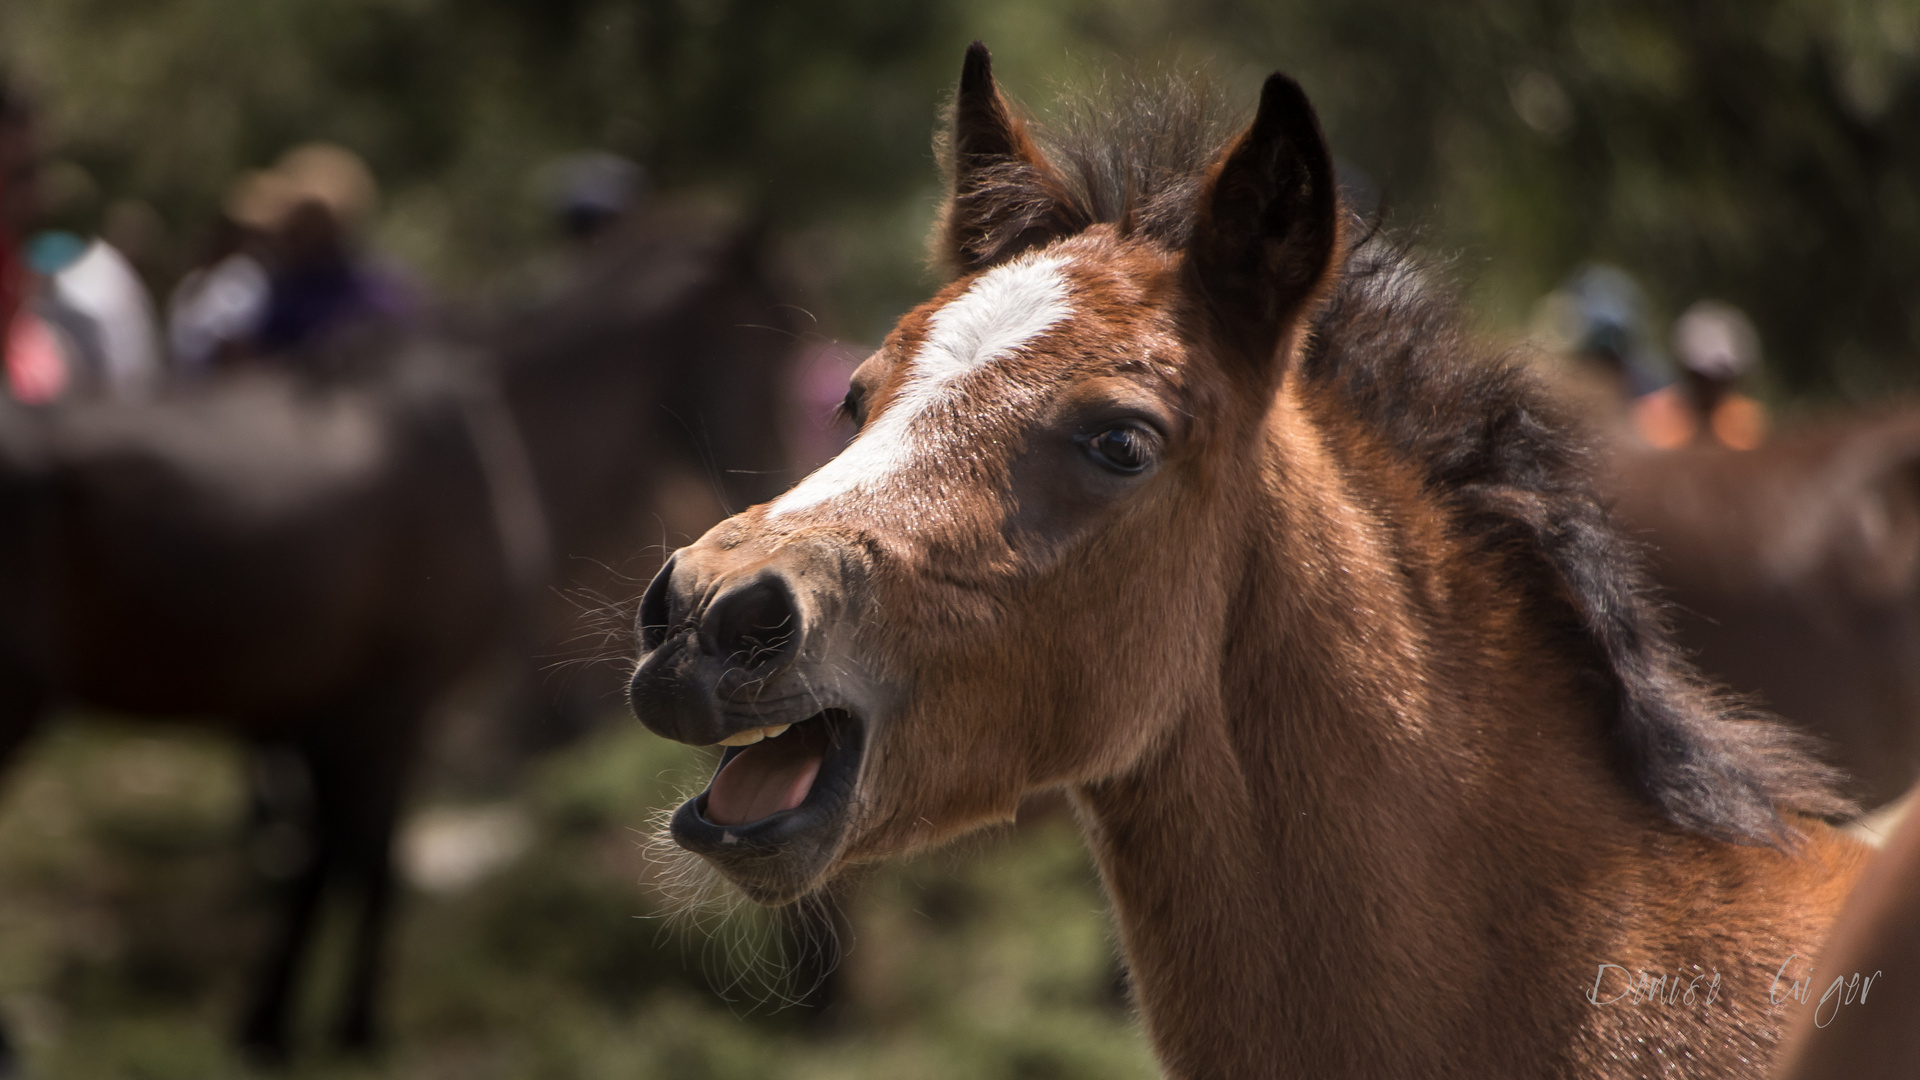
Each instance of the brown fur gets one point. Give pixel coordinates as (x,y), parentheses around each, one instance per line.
(1868,1035)
(1379,745)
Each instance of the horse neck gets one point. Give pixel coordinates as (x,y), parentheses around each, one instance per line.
(1277,868)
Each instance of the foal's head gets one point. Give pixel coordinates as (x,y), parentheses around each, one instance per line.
(1018,572)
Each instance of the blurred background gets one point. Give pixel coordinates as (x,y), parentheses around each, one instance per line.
(1591,171)
(1762,153)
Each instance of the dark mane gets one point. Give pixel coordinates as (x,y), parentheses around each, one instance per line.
(1515,477)
(1493,450)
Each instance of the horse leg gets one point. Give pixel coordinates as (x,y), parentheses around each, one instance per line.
(265,1032)
(372,847)
(359,786)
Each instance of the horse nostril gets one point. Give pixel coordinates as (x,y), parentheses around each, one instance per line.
(754,624)
(656,614)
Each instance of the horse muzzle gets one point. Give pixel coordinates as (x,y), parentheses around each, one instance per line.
(711,672)
(725,662)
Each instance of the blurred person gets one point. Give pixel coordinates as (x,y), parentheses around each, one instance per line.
(218,308)
(585,197)
(71,335)
(36,370)
(1598,323)
(78,317)
(590,192)
(312,207)
(93,312)
(1717,346)
(92,281)
(1616,332)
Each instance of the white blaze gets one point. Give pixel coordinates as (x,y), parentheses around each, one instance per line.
(999,314)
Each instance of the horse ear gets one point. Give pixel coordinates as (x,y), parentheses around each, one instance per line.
(1006,197)
(1268,224)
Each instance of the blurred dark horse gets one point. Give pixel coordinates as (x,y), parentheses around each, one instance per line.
(313,565)
(1795,573)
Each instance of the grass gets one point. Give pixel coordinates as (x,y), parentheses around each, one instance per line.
(132,903)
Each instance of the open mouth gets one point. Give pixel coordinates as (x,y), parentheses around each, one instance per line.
(773,814)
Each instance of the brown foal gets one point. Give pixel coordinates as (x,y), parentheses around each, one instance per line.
(1182,499)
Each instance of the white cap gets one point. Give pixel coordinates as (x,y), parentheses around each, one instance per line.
(1716,340)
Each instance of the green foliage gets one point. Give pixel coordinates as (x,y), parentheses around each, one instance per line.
(1757,152)
(1760,151)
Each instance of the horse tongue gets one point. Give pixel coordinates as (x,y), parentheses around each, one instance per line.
(761,780)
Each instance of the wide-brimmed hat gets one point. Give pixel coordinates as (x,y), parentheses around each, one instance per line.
(323,173)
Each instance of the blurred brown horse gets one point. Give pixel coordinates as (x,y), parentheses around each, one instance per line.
(313,565)
(1794,570)
(1180,500)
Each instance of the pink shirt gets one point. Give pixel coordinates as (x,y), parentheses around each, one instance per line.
(36,372)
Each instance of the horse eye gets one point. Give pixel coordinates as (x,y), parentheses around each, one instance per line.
(1126,448)
(851,407)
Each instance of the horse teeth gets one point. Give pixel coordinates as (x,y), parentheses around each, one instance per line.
(754,735)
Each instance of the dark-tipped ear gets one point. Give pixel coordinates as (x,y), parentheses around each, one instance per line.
(1006,197)
(1267,228)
